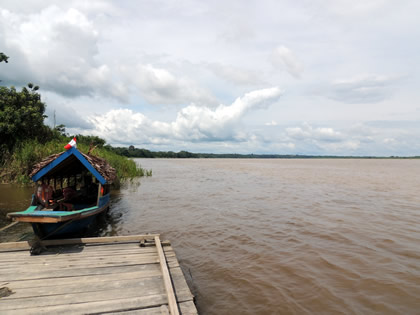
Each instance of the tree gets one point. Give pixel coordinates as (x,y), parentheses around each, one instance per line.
(3,57)
(91,140)
(21,117)
(61,129)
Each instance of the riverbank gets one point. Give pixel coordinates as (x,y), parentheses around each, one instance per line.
(144,153)
(17,166)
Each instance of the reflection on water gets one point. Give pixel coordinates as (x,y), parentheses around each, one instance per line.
(283,236)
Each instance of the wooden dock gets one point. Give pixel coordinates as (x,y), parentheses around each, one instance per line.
(122,274)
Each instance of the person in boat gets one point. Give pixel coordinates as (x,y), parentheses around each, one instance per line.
(44,193)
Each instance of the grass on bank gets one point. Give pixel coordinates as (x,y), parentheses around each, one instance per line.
(18,165)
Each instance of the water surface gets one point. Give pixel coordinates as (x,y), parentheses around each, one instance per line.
(283,236)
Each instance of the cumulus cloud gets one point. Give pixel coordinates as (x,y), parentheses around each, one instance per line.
(283,58)
(193,123)
(55,48)
(369,138)
(324,139)
(159,86)
(307,132)
(363,89)
(271,123)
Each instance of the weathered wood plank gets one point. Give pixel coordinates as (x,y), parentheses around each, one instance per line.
(28,275)
(146,284)
(115,305)
(173,306)
(158,310)
(9,303)
(152,270)
(100,307)
(82,250)
(25,255)
(75,266)
(188,308)
(70,241)
(57,261)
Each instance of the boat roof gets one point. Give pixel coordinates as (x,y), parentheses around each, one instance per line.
(73,162)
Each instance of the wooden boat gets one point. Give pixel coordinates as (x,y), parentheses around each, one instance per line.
(72,189)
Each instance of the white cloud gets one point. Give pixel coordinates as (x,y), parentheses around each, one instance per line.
(271,123)
(307,132)
(56,49)
(283,58)
(325,139)
(159,86)
(363,89)
(193,123)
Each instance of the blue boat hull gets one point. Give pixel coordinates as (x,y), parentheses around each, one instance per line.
(63,229)
(71,228)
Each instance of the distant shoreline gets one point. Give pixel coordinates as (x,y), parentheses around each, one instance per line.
(144,153)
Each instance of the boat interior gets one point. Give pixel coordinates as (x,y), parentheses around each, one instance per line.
(67,187)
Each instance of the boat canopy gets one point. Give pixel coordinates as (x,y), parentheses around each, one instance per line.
(73,162)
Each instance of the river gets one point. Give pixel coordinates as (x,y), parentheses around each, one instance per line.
(298,236)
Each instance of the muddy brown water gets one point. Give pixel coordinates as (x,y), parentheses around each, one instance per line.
(277,236)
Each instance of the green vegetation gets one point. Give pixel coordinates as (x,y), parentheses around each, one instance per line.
(25,140)
(21,117)
(143,153)
(19,164)
(3,57)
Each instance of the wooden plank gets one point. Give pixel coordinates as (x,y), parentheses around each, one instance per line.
(151,271)
(9,303)
(106,239)
(12,261)
(85,261)
(188,308)
(158,310)
(145,285)
(78,264)
(149,285)
(173,306)
(79,250)
(18,260)
(65,262)
(90,240)
(28,275)
(115,305)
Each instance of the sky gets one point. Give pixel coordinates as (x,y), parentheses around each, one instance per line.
(321,77)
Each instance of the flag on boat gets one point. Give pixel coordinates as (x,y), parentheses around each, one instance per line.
(71,144)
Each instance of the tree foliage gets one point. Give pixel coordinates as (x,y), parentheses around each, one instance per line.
(90,140)
(21,118)
(3,57)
